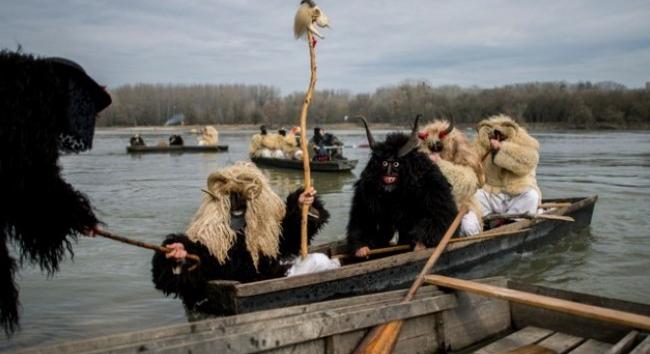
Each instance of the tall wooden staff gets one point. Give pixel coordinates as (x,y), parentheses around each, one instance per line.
(307,15)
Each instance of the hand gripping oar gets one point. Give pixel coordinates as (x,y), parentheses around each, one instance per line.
(112,236)
(382,339)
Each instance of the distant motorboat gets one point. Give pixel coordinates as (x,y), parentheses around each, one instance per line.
(176,119)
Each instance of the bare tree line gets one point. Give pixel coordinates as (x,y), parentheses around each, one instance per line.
(581,105)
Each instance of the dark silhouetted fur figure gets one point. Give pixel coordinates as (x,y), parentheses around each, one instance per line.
(241,232)
(400,190)
(46,106)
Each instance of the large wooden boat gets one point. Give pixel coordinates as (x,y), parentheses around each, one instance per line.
(435,321)
(393,271)
(321,166)
(176,149)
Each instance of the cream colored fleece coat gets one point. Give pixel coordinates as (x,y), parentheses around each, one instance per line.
(459,163)
(512,168)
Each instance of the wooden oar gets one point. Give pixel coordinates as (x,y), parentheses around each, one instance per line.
(375,251)
(554,205)
(487,235)
(529,216)
(545,302)
(382,339)
(303,142)
(112,236)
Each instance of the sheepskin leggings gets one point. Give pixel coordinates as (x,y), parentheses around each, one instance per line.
(525,202)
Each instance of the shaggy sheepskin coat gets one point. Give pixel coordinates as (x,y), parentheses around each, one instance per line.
(46,106)
(289,144)
(459,162)
(420,209)
(272,234)
(269,141)
(512,168)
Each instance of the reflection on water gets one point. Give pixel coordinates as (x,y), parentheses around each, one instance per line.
(107,289)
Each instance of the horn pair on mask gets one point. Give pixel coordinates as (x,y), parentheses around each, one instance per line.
(441,135)
(410,145)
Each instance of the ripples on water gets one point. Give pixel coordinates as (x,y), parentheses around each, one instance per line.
(107,288)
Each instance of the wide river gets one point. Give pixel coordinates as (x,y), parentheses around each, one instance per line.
(107,287)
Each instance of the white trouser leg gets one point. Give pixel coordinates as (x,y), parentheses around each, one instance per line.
(266,153)
(525,202)
(277,154)
(470,224)
(491,203)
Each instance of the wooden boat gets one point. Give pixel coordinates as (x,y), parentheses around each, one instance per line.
(393,271)
(435,321)
(321,166)
(176,149)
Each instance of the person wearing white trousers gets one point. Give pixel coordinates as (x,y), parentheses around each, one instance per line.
(510,158)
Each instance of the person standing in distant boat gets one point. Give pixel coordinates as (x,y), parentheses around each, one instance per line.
(325,146)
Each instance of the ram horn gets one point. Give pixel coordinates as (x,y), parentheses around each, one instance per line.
(371,140)
(413,141)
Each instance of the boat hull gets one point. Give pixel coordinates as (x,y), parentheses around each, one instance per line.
(320,166)
(176,149)
(435,321)
(389,273)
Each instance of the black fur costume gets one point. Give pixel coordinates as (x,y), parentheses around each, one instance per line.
(46,106)
(419,206)
(190,285)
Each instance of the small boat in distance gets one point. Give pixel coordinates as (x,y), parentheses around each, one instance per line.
(144,149)
(321,166)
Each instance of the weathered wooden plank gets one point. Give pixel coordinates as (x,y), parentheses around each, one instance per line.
(625,344)
(591,346)
(223,325)
(525,315)
(275,337)
(531,349)
(419,326)
(474,319)
(523,337)
(344,343)
(311,347)
(252,338)
(643,347)
(561,342)
(416,345)
(621,318)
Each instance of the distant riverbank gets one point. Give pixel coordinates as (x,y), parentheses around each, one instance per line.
(354,126)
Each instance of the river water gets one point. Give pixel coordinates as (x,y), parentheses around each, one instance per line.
(107,288)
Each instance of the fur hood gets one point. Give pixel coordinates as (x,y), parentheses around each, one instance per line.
(456,148)
(210,225)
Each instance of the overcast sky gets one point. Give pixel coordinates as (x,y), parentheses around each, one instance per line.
(371,43)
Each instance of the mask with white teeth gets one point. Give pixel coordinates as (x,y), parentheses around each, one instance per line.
(237,212)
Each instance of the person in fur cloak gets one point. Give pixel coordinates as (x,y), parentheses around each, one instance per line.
(510,162)
(459,162)
(48,106)
(399,190)
(242,231)
(209,136)
(266,145)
